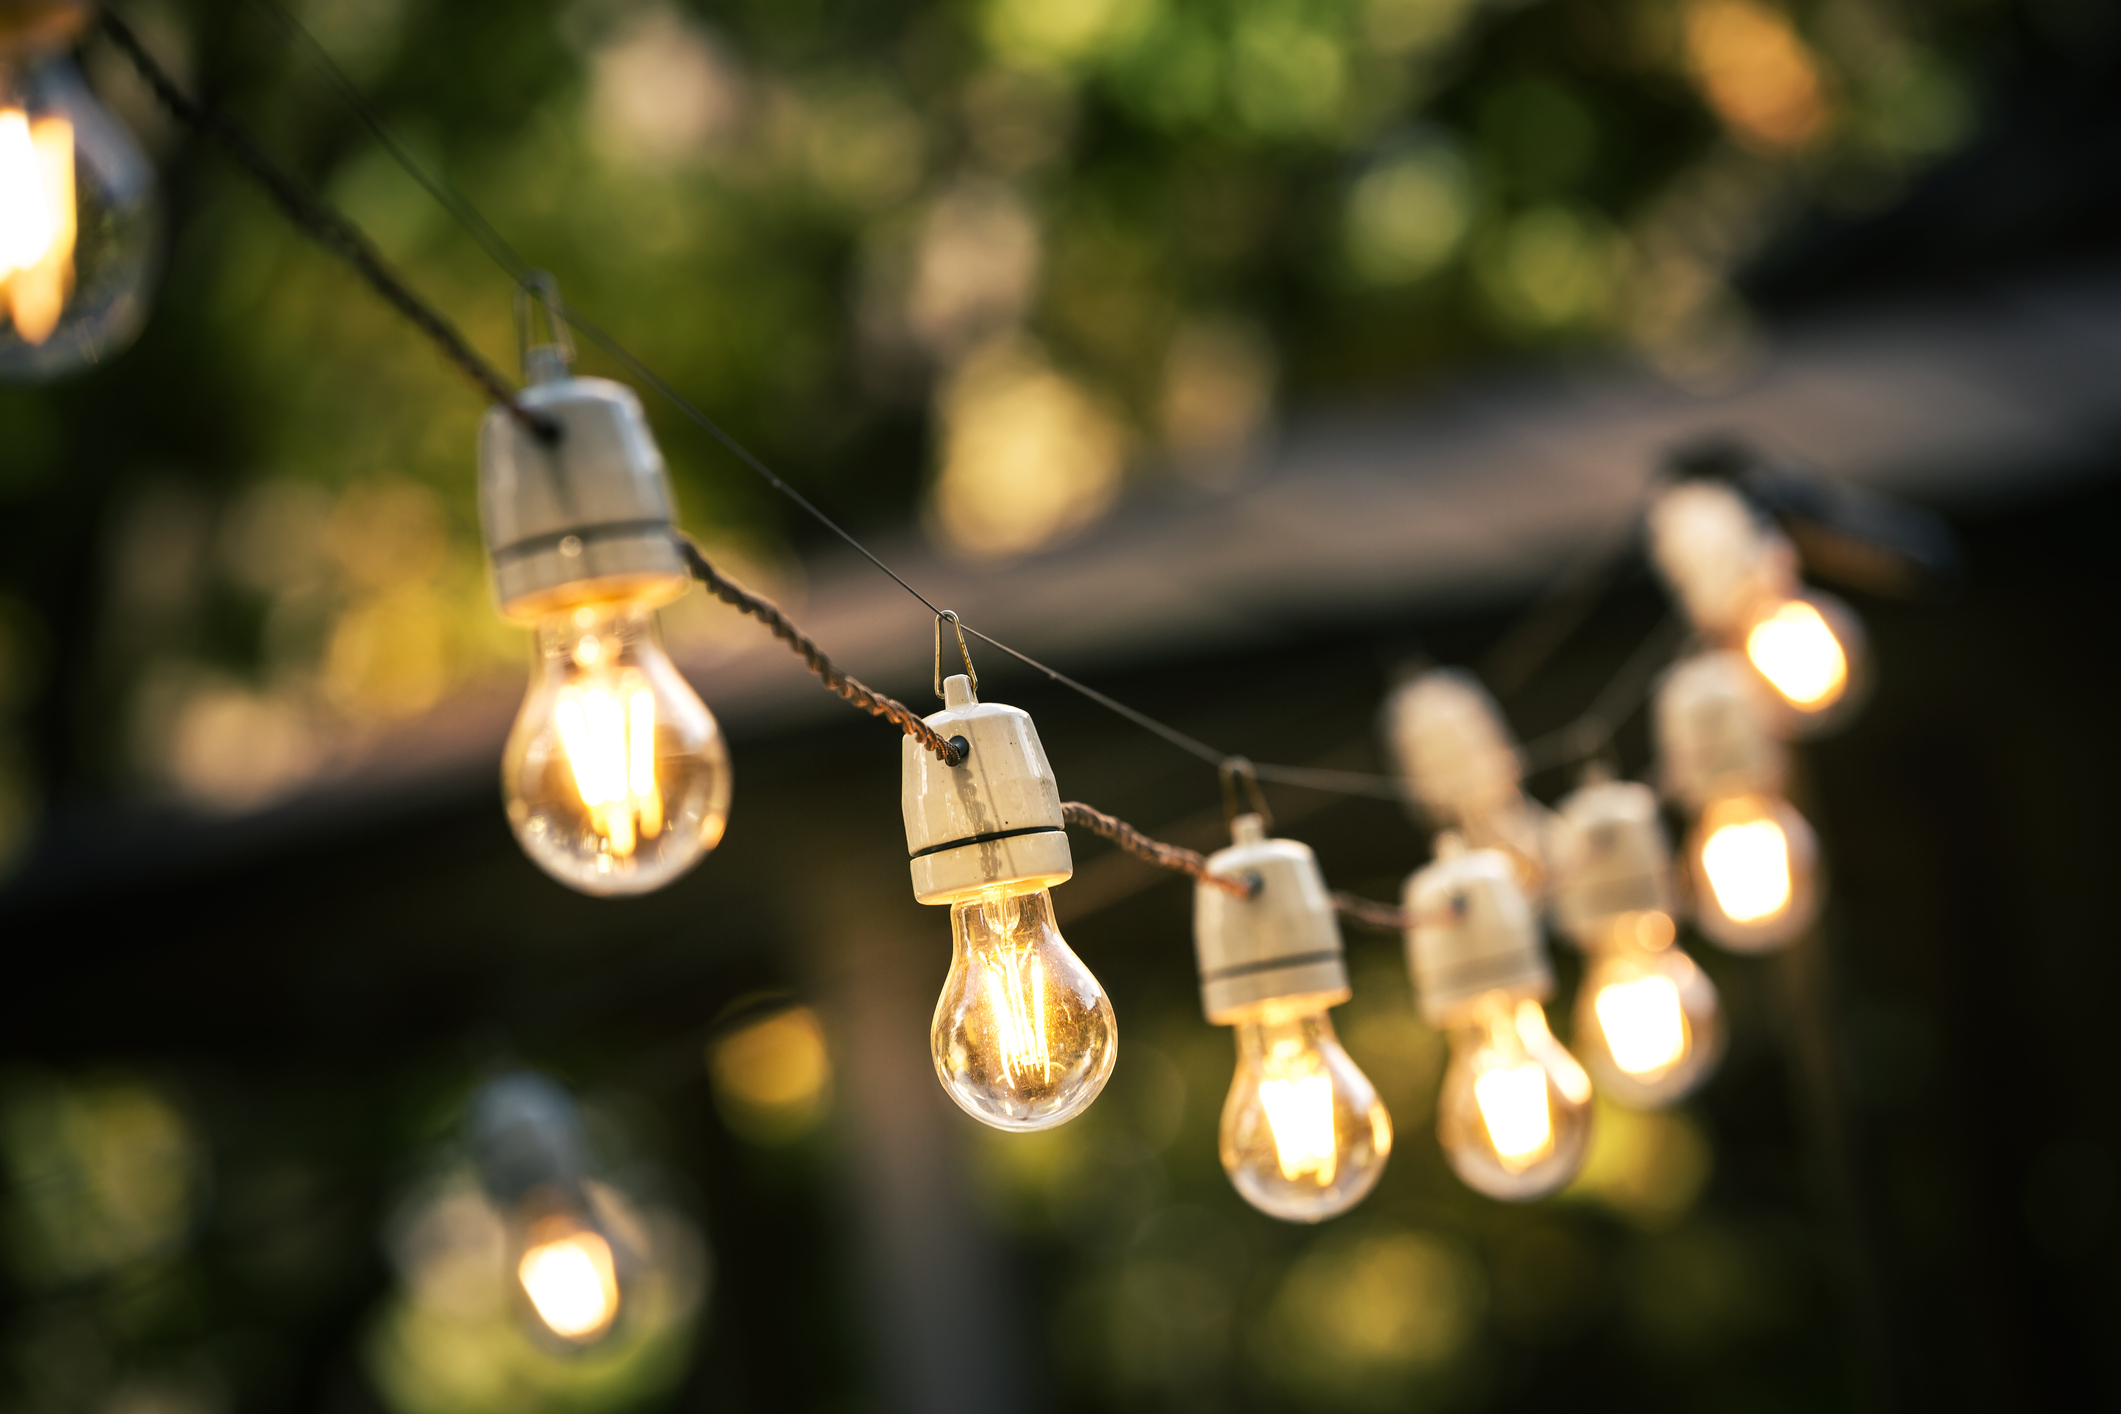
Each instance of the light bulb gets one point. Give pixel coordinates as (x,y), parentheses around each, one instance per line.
(1514,1117)
(78,225)
(568,1273)
(1304,1136)
(1810,650)
(616,776)
(1753,861)
(1647,1020)
(1024,1036)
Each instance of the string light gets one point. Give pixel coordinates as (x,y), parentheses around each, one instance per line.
(617,780)
(570,1246)
(1303,1135)
(1023,1037)
(1751,853)
(1648,1022)
(1736,576)
(1460,767)
(1514,1116)
(78,216)
(615,776)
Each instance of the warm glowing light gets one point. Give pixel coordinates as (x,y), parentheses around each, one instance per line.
(572,1283)
(1513,1105)
(1748,865)
(1644,1026)
(1304,1136)
(37,221)
(1016,999)
(1796,650)
(1300,1115)
(1023,1035)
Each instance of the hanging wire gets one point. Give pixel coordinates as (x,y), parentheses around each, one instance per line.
(323,224)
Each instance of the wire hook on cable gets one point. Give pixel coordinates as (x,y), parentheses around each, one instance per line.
(1237,775)
(966,652)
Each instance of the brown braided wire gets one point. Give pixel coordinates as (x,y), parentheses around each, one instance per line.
(853,689)
(1370,913)
(323,224)
(1163,856)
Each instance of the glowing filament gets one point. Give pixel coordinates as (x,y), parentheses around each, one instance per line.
(572,1284)
(1513,1105)
(37,221)
(611,750)
(1016,995)
(1794,648)
(1749,870)
(1300,1117)
(1644,1027)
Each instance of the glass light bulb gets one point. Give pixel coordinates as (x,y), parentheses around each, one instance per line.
(1752,858)
(78,225)
(1810,650)
(1514,1118)
(1647,1019)
(1304,1136)
(1023,1036)
(568,1273)
(616,776)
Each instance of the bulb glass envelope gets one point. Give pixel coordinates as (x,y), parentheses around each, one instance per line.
(1514,1114)
(1023,1036)
(1648,1022)
(571,1242)
(79,222)
(1303,1135)
(1461,766)
(1752,857)
(1736,576)
(616,776)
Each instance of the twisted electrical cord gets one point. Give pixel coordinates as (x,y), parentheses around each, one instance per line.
(845,685)
(1164,856)
(323,224)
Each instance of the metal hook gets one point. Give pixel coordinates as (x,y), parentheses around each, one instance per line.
(551,357)
(1236,769)
(970,671)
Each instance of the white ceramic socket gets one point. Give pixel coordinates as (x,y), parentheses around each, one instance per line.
(587,518)
(1715,731)
(1281,944)
(1720,559)
(1608,856)
(1455,753)
(993,818)
(1472,933)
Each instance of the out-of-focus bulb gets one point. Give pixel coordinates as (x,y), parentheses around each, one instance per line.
(616,776)
(1753,862)
(1648,1023)
(568,1273)
(1304,1136)
(1810,650)
(1024,1037)
(77,225)
(1515,1113)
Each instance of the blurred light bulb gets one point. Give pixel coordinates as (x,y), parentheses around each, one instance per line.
(1304,1136)
(616,776)
(1647,1018)
(1753,864)
(568,1273)
(1514,1117)
(1810,650)
(77,225)
(1024,1036)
